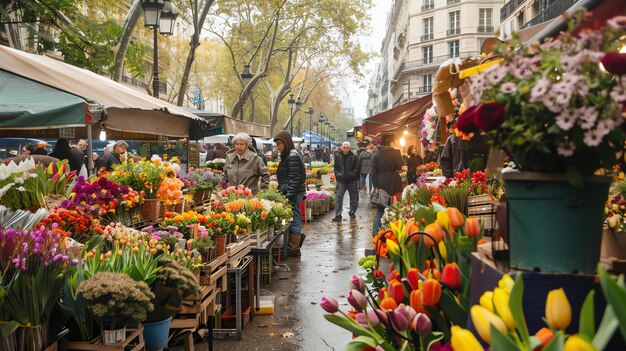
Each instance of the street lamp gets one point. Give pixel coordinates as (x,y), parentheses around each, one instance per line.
(246,77)
(291,103)
(310,113)
(321,121)
(158,14)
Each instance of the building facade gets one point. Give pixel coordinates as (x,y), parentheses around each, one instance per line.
(421,35)
(518,15)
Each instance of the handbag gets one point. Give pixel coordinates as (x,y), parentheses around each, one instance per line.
(380,198)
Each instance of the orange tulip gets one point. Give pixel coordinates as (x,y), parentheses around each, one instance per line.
(451,275)
(435,231)
(413,277)
(388,304)
(431,292)
(415,300)
(545,335)
(396,291)
(456,218)
(472,227)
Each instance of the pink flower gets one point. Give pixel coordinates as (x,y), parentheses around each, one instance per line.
(592,138)
(587,117)
(508,88)
(540,88)
(617,22)
(566,148)
(566,120)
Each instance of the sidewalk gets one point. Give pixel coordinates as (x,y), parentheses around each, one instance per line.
(330,256)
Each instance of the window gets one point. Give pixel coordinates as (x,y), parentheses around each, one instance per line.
(536,7)
(428,28)
(428,4)
(455,22)
(520,19)
(427,54)
(453,48)
(484,21)
(427,83)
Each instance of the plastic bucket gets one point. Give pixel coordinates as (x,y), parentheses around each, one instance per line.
(155,334)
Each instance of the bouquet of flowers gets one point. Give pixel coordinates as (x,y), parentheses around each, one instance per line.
(170,191)
(221,223)
(429,126)
(184,222)
(142,176)
(557,106)
(431,169)
(232,193)
(216,164)
(272,167)
(205,178)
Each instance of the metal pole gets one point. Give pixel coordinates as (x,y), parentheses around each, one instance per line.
(242,104)
(89,165)
(291,120)
(310,139)
(155,67)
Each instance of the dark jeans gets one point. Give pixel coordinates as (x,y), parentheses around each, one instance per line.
(296,223)
(353,190)
(380,210)
(362,182)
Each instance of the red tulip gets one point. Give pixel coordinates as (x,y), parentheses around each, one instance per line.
(489,116)
(413,277)
(614,62)
(394,275)
(431,292)
(451,275)
(396,291)
(466,123)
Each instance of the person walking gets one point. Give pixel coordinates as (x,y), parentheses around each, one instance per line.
(385,174)
(112,158)
(291,174)
(412,163)
(244,166)
(347,172)
(365,156)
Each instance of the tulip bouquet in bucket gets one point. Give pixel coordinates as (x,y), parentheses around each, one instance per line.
(557,106)
(426,291)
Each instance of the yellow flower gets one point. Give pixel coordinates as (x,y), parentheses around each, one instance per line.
(558,309)
(578,343)
(393,248)
(506,283)
(464,340)
(483,319)
(443,220)
(501,303)
(486,300)
(443,251)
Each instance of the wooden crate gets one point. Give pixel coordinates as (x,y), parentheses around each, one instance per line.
(208,271)
(477,210)
(474,200)
(237,251)
(195,309)
(133,342)
(53,347)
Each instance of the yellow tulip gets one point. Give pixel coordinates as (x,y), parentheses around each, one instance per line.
(501,303)
(464,340)
(558,309)
(443,251)
(486,300)
(577,343)
(483,320)
(393,247)
(506,283)
(443,220)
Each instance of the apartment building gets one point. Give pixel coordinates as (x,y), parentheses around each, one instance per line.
(520,15)
(421,35)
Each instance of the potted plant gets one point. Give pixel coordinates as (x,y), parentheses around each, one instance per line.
(556,112)
(116,300)
(206,182)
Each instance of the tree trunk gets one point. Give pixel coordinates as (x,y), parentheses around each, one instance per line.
(129,26)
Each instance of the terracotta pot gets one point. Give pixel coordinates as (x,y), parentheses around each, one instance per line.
(220,244)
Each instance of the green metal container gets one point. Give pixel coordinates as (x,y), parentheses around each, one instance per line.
(553,226)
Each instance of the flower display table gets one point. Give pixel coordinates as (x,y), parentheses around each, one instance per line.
(134,342)
(214,271)
(237,251)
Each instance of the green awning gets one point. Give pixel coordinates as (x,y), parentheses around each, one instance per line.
(26,104)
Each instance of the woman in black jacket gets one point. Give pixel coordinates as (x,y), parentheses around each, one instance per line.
(384,172)
(291,175)
(63,151)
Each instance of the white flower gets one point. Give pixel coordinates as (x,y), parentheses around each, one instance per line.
(155,158)
(540,89)
(508,88)
(175,167)
(496,75)
(618,94)
(592,138)
(566,120)
(22,189)
(587,117)
(563,98)
(5,188)
(19,180)
(566,148)
(550,102)
(605,126)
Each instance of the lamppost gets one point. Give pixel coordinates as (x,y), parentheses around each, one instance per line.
(246,77)
(310,113)
(291,102)
(162,15)
(321,121)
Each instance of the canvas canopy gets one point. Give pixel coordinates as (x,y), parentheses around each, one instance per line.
(407,115)
(41,106)
(222,124)
(126,110)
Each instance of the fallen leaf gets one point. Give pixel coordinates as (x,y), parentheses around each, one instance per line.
(288,335)
(313,303)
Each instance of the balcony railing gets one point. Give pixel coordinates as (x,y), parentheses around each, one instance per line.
(450,2)
(428,6)
(428,36)
(509,8)
(485,29)
(425,89)
(453,31)
(552,11)
(431,62)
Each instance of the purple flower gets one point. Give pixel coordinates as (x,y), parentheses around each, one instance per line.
(357,300)
(329,304)
(357,283)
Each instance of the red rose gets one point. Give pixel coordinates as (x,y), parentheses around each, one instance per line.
(489,116)
(465,123)
(168,214)
(614,62)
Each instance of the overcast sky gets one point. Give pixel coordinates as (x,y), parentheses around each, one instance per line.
(373,42)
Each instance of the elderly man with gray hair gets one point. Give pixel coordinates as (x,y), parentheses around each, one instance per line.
(112,158)
(347,172)
(244,166)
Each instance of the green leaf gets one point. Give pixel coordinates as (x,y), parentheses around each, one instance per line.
(452,309)
(574,177)
(439,321)
(587,325)
(432,338)
(501,342)
(534,342)
(615,297)
(607,328)
(349,325)
(359,343)
(556,344)
(517,309)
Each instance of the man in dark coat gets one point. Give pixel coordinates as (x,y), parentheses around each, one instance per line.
(347,172)
(385,174)
(457,153)
(112,158)
(291,174)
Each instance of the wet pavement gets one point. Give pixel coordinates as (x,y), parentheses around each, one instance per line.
(330,256)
